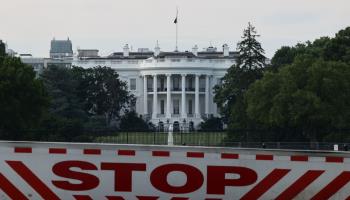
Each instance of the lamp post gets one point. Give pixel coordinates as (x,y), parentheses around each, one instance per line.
(183,125)
(159,125)
(168,121)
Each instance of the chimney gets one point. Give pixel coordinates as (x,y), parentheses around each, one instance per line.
(226,50)
(126,51)
(157,50)
(195,50)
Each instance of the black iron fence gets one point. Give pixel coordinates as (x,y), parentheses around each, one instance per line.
(211,139)
(237,139)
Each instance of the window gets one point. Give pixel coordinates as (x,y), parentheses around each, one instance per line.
(162,85)
(162,107)
(149,84)
(176,83)
(202,85)
(133,84)
(190,83)
(176,106)
(190,107)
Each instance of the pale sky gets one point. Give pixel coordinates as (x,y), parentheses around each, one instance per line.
(29,25)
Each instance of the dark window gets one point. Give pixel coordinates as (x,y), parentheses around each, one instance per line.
(162,87)
(190,107)
(176,83)
(176,106)
(162,107)
(133,84)
(149,84)
(190,83)
(176,126)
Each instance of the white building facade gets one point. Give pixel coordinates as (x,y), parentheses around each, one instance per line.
(170,87)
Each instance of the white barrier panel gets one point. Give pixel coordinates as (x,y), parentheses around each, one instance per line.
(53,171)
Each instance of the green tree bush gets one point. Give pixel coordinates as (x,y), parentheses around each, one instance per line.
(23,99)
(131,122)
(249,67)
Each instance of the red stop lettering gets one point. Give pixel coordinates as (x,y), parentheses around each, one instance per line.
(194,178)
(88,181)
(216,181)
(123,174)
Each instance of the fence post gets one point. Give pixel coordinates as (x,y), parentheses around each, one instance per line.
(208,138)
(127,137)
(154,137)
(181,138)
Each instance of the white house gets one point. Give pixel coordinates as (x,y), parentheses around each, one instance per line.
(170,87)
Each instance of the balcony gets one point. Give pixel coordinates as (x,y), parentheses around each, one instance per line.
(162,89)
(146,117)
(175,115)
(176,89)
(160,115)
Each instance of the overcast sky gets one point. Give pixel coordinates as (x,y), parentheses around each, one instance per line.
(29,25)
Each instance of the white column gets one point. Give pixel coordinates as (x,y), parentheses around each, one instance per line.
(196,97)
(207,95)
(155,99)
(168,96)
(145,96)
(183,96)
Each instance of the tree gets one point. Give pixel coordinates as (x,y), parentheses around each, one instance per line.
(131,122)
(62,86)
(105,93)
(251,54)
(283,56)
(2,51)
(330,49)
(23,98)
(79,97)
(212,124)
(230,95)
(310,96)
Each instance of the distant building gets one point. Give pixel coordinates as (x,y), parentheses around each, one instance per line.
(39,64)
(61,54)
(85,53)
(61,49)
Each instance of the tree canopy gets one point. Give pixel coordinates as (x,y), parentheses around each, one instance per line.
(130,121)
(310,91)
(83,100)
(230,95)
(23,98)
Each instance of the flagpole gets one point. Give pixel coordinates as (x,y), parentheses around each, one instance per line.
(177,12)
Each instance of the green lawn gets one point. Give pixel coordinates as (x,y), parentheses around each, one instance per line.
(193,139)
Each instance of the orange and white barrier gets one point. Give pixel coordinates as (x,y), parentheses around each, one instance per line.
(53,171)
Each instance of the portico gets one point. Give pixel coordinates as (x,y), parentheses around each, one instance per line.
(177,96)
